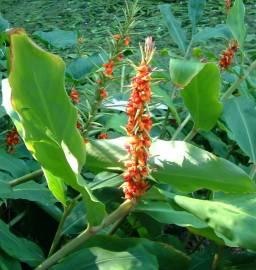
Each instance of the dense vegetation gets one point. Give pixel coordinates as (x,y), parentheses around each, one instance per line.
(128,137)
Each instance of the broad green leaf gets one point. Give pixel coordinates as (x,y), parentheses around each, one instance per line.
(32,191)
(81,67)
(5,189)
(76,220)
(117,122)
(189,168)
(8,263)
(159,205)
(182,71)
(217,145)
(2,111)
(201,97)
(183,166)
(174,27)
(97,258)
(59,39)
(232,217)
(12,165)
(219,31)
(165,98)
(106,179)
(240,116)
(19,248)
(236,23)
(166,254)
(195,11)
(165,213)
(57,145)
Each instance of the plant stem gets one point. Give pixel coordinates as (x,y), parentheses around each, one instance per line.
(117,225)
(26,178)
(191,134)
(164,124)
(253,172)
(123,210)
(181,126)
(234,86)
(57,236)
(217,257)
(225,96)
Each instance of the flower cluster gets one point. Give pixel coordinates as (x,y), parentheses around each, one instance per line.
(103,136)
(12,139)
(228,55)
(228,5)
(74,95)
(138,128)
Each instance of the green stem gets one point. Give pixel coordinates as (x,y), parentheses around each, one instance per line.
(191,134)
(217,258)
(117,225)
(57,236)
(181,126)
(123,210)
(188,49)
(253,172)
(26,178)
(234,86)
(165,124)
(225,96)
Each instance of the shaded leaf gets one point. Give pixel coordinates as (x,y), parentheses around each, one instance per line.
(19,248)
(59,39)
(230,216)
(81,67)
(174,27)
(240,115)
(195,11)
(166,254)
(97,258)
(219,31)
(236,23)
(183,166)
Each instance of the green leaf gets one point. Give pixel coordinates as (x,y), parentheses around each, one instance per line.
(76,220)
(166,254)
(240,116)
(195,11)
(117,122)
(2,111)
(5,189)
(106,179)
(219,31)
(59,39)
(232,217)
(164,212)
(4,24)
(174,27)
(165,98)
(8,263)
(19,248)
(159,205)
(236,23)
(182,71)
(203,93)
(57,145)
(183,166)
(97,258)
(34,192)
(12,165)
(81,67)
